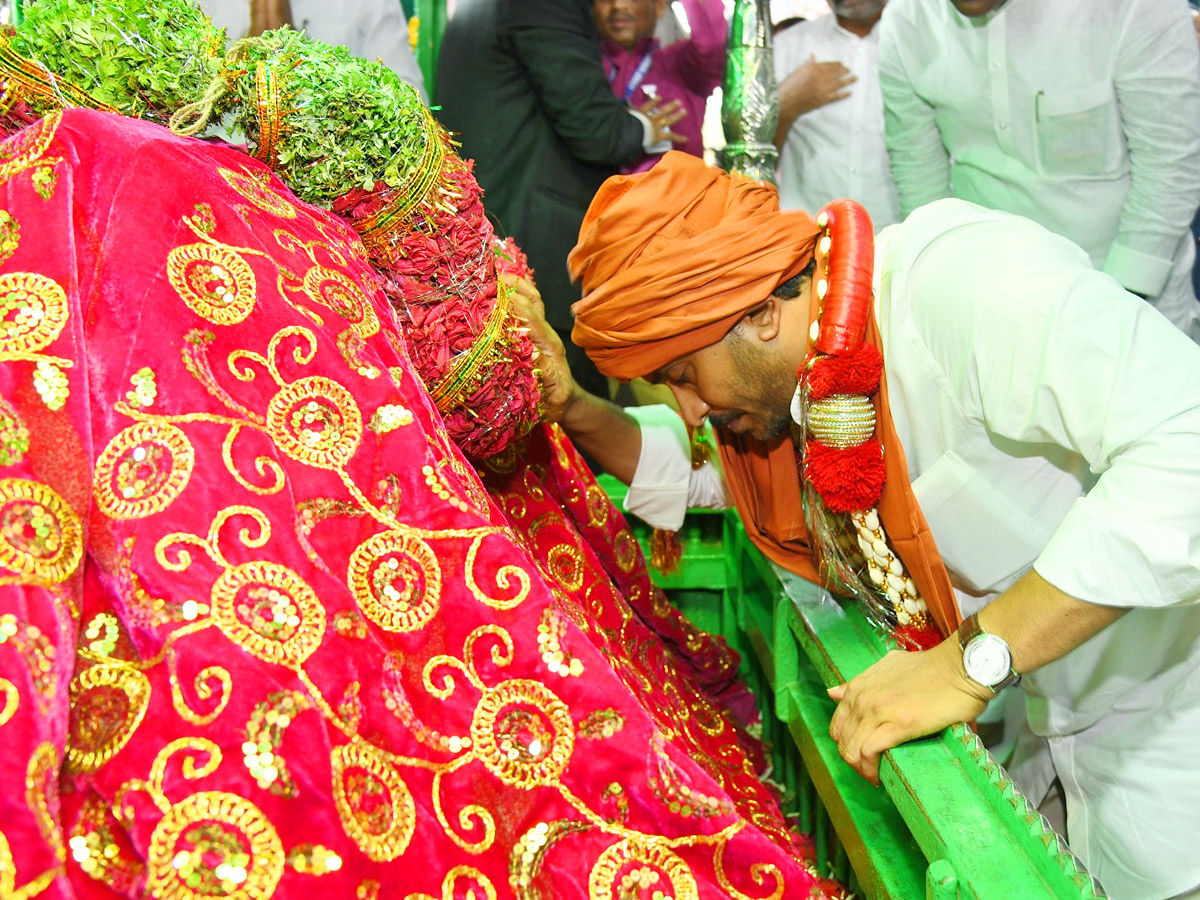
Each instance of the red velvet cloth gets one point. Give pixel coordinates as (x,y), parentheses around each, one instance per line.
(262,630)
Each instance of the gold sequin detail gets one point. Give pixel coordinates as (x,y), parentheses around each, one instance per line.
(214,844)
(14,436)
(523,733)
(631,869)
(51,384)
(12,701)
(315,421)
(145,389)
(42,795)
(40,535)
(626,549)
(214,281)
(33,312)
(390,417)
(25,149)
(254,188)
(598,505)
(566,564)
(144,468)
(264,734)
(269,611)
(601,724)
(10,235)
(337,292)
(108,703)
(396,580)
(551,630)
(373,802)
(39,654)
(313,859)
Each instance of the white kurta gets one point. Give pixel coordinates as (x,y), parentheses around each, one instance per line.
(1050,419)
(836,150)
(1084,117)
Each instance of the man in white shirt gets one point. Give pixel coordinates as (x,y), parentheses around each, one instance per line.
(1083,115)
(371,29)
(1050,425)
(830,133)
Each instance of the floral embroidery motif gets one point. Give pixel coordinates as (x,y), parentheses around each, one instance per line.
(253,186)
(373,802)
(397,581)
(337,292)
(214,281)
(41,538)
(33,312)
(107,706)
(631,869)
(214,844)
(523,733)
(315,421)
(269,611)
(144,468)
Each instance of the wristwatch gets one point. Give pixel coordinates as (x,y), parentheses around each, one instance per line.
(986,657)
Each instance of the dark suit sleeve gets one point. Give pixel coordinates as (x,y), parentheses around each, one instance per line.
(556,43)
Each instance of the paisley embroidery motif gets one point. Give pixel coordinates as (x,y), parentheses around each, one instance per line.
(214,281)
(373,802)
(214,844)
(107,706)
(523,733)
(40,536)
(396,580)
(144,468)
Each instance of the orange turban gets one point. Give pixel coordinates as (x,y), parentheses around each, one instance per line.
(670,260)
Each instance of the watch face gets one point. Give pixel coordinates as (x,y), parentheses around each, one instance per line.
(987,659)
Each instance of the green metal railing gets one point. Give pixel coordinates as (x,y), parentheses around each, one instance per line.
(946,823)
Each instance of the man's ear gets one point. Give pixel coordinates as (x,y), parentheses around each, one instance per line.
(764,321)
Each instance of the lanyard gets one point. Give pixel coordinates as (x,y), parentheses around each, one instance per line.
(635,80)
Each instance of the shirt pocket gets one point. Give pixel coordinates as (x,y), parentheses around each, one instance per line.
(985,539)
(1078,131)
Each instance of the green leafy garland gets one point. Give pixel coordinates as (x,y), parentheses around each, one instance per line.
(346,123)
(146,58)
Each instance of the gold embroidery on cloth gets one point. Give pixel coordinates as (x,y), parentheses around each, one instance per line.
(214,844)
(202,684)
(396,580)
(373,802)
(12,701)
(451,889)
(8,876)
(14,436)
(41,790)
(108,702)
(10,234)
(33,312)
(528,853)
(27,148)
(629,867)
(144,468)
(523,733)
(264,735)
(213,280)
(335,291)
(41,538)
(269,611)
(316,421)
(254,186)
(626,549)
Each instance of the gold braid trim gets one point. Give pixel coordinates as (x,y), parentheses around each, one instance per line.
(22,79)
(377,228)
(269,112)
(464,374)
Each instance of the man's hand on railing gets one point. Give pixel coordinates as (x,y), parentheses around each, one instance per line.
(901,697)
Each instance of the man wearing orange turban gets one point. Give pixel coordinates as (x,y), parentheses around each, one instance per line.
(1035,419)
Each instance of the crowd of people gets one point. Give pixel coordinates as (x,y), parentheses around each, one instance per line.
(306,568)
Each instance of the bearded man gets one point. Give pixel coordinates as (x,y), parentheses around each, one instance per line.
(1036,422)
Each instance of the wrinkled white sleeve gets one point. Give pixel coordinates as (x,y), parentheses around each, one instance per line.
(665,485)
(1045,351)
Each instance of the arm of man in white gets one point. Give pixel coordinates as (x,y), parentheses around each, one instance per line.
(664,485)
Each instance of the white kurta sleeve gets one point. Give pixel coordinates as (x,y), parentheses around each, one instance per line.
(1050,355)
(1158,88)
(664,484)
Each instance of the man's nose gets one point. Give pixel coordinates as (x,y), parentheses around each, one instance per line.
(694,409)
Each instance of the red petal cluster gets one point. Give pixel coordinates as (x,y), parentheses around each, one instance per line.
(856,372)
(848,480)
(908,637)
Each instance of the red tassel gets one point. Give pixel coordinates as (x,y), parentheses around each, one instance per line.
(848,480)
(858,372)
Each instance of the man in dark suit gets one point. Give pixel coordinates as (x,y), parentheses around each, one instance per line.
(521,81)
